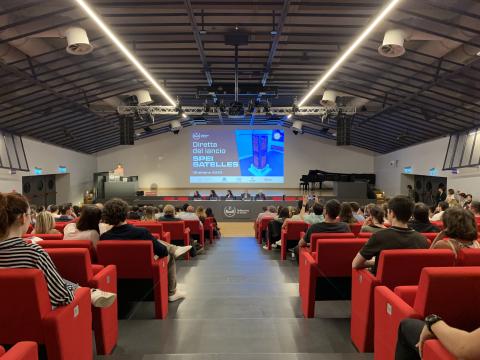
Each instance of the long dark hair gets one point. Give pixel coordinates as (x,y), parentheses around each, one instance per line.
(209,212)
(89,218)
(11,205)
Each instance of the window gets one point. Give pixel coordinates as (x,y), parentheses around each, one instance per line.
(463,150)
(12,152)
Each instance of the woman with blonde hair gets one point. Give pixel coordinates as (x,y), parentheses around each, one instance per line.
(201,214)
(149,214)
(45,224)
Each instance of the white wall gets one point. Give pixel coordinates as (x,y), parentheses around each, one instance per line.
(48,157)
(422,158)
(165,159)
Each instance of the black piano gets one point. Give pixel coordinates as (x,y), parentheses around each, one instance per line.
(315,178)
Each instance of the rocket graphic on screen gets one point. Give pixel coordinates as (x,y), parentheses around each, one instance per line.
(260,166)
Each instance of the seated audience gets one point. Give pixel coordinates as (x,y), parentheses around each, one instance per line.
(133,213)
(275,227)
(66,212)
(188,214)
(310,214)
(412,334)
(385,211)
(468,201)
(169,214)
(357,212)
(87,226)
(441,194)
(229,195)
(346,214)
(216,229)
(115,214)
(213,195)
(16,253)
(270,211)
(374,221)
(76,211)
(201,214)
(398,236)
(420,221)
(53,209)
(475,209)
(149,214)
(45,224)
(461,229)
(440,209)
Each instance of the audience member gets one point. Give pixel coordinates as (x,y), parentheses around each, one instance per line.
(115,214)
(133,213)
(65,211)
(475,209)
(269,211)
(149,214)
(201,214)
(420,221)
(440,209)
(398,236)
(169,214)
(216,229)
(229,195)
(313,214)
(461,229)
(374,221)
(412,334)
(87,226)
(16,253)
(275,227)
(54,210)
(188,214)
(468,201)
(45,224)
(346,214)
(441,195)
(76,211)
(451,198)
(357,212)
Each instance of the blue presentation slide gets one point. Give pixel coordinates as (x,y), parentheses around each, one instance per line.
(237,156)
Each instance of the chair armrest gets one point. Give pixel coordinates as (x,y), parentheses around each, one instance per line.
(186,236)
(434,350)
(69,328)
(97,268)
(307,273)
(105,279)
(25,350)
(160,290)
(166,237)
(407,293)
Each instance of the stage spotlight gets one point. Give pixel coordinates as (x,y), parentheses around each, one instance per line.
(236,109)
(175,126)
(221,106)
(206,108)
(251,106)
(266,108)
(297,127)
(151,117)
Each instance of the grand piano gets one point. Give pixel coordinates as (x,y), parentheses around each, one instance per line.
(316,178)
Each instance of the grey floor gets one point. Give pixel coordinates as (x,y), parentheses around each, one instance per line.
(242,304)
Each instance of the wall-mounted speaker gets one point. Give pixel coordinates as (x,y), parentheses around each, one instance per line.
(127,132)
(344,129)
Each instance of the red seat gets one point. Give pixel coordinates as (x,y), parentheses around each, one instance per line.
(355,228)
(196,228)
(291,233)
(438,224)
(44,236)
(75,265)
(66,331)
(261,228)
(468,257)
(134,260)
(438,292)
(182,198)
(169,198)
(364,235)
(209,225)
(179,234)
(395,268)
(61,225)
(154,227)
(71,244)
(332,263)
(25,350)
(434,350)
(315,236)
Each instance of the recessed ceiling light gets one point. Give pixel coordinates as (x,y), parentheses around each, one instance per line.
(86,7)
(350,50)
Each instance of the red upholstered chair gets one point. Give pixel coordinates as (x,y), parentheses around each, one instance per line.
(438,224)
(331,268)
(75,265)
(134,260)
(355,228)
(182,198)
(315,236)
(434,350)
(468,257)
(169,198)
(430,236)
(66,331)
(60,226)
(395,268)
(154,227)
(291,233)
(208,227)
(71,244)
(196,228)
(44,236)
(438,292)
(261,230)
(30,229)
(364,235)
(179,234)
(25,350)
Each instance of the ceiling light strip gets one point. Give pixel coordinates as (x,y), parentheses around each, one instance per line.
(124,50)
(350,50)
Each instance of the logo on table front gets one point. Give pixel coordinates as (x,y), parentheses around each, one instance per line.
(230,211)
(197,136)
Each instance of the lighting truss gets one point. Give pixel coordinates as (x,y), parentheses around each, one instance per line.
(200,110)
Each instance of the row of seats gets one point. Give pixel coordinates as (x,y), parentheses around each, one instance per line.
(25,350)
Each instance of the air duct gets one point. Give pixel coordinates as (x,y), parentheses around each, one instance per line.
(143,97)
(329,98)
(393,43)
(77,41)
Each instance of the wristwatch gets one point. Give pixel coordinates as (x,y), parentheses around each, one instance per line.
(430,320)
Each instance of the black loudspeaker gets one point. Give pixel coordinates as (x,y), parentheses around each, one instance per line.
(127,132)
(344,129)
(140,193)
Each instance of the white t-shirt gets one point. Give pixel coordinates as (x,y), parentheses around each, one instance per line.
(70,232)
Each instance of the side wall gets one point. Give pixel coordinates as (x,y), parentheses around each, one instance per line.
(422,158)
(48,157)
(165,160)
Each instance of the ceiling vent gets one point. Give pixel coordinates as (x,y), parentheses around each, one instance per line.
(393,43)
(77,41)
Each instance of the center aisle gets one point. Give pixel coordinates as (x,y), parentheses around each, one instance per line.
(242,304)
